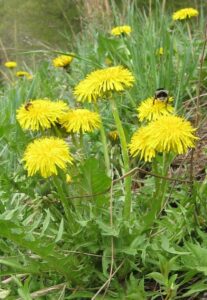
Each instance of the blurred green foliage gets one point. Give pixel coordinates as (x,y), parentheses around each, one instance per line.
(29,24)
(26,24)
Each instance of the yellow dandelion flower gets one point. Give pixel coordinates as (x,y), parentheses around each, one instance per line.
(120,30)
(185,13)
(10,64)
(68,178)
(113,135)
(160,51)
(171,133)
(46,155)
(167,134)
(40,114)
(151,109)
(80,120)
(23,74)
(98,83)
(62,61)
(140,144)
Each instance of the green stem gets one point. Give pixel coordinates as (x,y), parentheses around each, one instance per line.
(128,180)
(104,143)
(156,179)
(160,192)
(81,140)
(167,159)
(63,199)
(73,138)
(57,131)
(203,187)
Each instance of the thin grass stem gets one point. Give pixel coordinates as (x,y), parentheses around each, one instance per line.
(104,143)
(128,180)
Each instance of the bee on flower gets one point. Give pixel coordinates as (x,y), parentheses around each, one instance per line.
(153,107)
(40,114)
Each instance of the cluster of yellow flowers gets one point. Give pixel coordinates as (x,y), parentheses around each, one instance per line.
(12,64)
(44,155)
(165,132)
(41,114)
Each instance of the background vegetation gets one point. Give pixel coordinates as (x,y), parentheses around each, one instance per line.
(38,24)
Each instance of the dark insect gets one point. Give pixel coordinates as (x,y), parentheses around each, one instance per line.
(162,95)
(27,105)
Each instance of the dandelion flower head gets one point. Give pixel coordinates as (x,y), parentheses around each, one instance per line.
(140,144)
(46,155)
(185,13)
(151,109)
(23,74)
(68,178)
(10,64)
(172,133)
(120,30)
(40,114)
(99,82)
(80,120)
(160,51)
(167,134)
(113,135)
(62,61)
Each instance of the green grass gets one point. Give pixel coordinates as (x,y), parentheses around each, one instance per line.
(74,235)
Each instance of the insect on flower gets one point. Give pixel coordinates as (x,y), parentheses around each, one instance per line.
(27,105)
(162,95)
